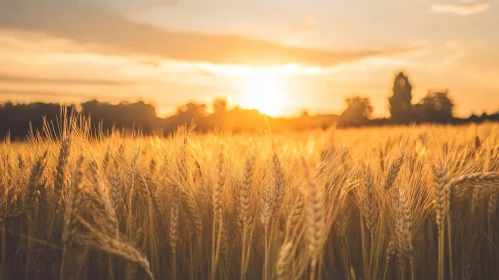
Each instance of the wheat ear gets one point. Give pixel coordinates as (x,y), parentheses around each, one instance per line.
(34,183)
(284,261)
(368,202)
(315,217)
(72,208)
(61,175)
(117,247)
(393,172)
(441,203)
(280,183)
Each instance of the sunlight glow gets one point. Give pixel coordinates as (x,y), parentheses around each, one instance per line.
(264,94)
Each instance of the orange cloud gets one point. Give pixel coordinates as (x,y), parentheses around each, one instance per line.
(61,81)
(109,33)
(32,93)
(462,9)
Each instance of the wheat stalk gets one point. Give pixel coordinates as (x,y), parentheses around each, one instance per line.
(73,209)
(217,215)
(442,196)
(108,212)
(279,182)
(113,246)
(117,192)
(174,228)
(34,183)
(267,203)
(404,228)
(368,203)
(245,192)
(61,174)
(245,212)
(265,218)
(315,217)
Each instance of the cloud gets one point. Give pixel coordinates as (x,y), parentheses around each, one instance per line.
(305,24)
(106,32)
(462,9)
(37,93)
(62,81)
(127,6)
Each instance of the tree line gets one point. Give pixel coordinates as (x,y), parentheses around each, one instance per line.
(435,107)
(17,120)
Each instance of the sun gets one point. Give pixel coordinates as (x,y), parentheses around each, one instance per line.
(264,94)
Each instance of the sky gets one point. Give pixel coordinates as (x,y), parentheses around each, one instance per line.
(279,56)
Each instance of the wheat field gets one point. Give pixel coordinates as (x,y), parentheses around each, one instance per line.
(372,203)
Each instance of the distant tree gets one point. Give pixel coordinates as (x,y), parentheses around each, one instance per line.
(219,106)
(436,107)
(304,113)
(187,114)
(192,109)
(17,120)
(358,112)
(218,119)
(138,115)
(400,101)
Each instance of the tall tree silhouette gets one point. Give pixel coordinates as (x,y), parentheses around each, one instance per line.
(400,101)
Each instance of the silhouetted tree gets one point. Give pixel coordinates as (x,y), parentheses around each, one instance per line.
(400,101)
(138,115)
(219,117)
(358,112)
(436,107)
(18,119)
(192,109)
(219,106)
(190,113)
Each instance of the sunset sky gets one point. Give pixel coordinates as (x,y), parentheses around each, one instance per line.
(292,54)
